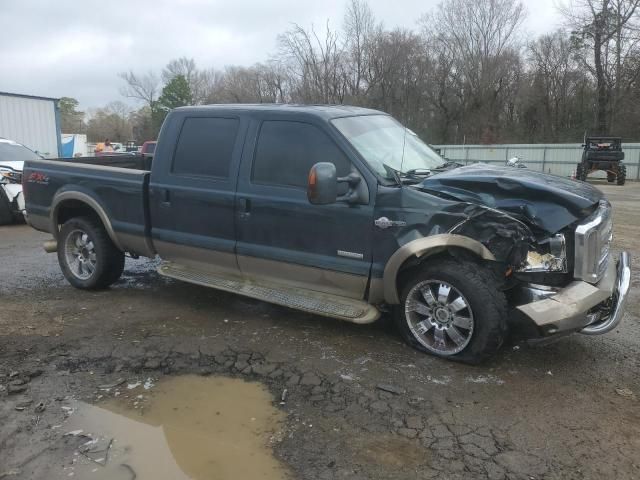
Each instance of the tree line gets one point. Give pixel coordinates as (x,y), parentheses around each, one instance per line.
(468,73)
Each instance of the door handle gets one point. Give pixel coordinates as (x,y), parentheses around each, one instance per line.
(166,198)
(244,207)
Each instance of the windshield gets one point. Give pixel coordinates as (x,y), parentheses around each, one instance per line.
(383,141)
(14,152)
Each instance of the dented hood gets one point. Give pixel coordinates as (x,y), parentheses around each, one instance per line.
(546,201)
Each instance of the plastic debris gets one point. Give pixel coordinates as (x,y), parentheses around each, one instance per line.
(624,392)
(390,388)
(109,386)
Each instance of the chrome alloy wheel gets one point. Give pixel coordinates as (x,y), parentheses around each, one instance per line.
(439,317)
(80,254)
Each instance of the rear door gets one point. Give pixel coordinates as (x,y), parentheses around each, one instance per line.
(281,236)
(192,190)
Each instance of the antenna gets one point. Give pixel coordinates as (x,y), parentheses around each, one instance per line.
(404,141)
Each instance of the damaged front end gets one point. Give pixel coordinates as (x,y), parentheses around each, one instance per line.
(550,238)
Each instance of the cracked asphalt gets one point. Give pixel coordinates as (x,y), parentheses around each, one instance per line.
(359,404)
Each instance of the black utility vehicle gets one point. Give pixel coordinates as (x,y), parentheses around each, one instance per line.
(603,153)
(342,212)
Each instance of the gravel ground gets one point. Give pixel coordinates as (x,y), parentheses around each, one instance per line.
(360,404)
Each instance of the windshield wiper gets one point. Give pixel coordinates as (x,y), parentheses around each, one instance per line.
(415,175)
(417,172)
(448,165)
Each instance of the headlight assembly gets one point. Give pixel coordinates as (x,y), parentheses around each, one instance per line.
(549,256)
(10,176)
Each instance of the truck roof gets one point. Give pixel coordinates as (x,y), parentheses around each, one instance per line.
(323,111)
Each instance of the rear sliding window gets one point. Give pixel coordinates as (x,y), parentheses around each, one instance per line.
(286,151)
(205,147)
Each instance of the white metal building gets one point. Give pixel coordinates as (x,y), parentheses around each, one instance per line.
(558,159)
(32,121)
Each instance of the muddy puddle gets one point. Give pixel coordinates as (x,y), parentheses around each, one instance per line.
(187,427)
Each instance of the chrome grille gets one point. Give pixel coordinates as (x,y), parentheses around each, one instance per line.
(593,243)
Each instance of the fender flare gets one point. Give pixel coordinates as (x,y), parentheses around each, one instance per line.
(60,198)
(423,247)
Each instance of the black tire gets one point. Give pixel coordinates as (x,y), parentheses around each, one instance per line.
(487,309)
(581,172)
(108,263)
(621,178)
(6,216)
(611,177)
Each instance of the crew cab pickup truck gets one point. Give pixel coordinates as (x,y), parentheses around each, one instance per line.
(342,212)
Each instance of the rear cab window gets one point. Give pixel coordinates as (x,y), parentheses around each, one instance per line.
(286,151)
(205,147)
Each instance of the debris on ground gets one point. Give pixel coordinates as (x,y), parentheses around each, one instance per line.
(10,473)
(283,397)
(390,388)
(40,407)
(97,450)
(20,406)
(624,392)
(109,386)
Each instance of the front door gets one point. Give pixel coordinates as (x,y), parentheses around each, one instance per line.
(192,192)
(282,237)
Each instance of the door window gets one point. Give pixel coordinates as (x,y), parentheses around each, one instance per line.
(205,147)
(286,151)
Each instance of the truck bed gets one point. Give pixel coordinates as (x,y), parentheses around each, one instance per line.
(137,162)
(112,185)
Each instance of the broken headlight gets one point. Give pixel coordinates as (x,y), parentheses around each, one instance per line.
(550,255)
(10,176)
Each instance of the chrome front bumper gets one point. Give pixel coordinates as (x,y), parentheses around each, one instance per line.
(581,306)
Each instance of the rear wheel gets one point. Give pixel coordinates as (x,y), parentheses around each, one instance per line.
(611,177)
(622,174)
(87,256)
(454,310)
(581,172)
(6,216)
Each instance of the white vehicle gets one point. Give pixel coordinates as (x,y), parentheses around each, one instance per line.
(12,158)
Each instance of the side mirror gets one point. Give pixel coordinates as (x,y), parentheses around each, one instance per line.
(322,188)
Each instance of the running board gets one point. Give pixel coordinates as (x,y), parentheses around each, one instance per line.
(350,310)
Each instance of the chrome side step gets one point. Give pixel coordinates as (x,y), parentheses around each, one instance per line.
(350,310)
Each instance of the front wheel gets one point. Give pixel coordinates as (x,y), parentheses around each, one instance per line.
(454,310)
(581,172)
(622,174)
(88,258)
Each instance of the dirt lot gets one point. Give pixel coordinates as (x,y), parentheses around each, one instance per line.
(359,404)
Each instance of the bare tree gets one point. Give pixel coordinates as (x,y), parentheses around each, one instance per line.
(196,78)
(483,38)
(606,34)
(359,30)
(145,88)
(315,64)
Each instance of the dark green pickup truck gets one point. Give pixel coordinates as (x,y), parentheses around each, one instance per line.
(343,212)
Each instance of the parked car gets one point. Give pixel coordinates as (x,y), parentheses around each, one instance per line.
(148,147)
(342,212)
(12,157)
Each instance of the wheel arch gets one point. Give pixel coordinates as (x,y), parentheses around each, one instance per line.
(423,248)
(71,204)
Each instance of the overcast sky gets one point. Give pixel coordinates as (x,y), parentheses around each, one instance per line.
(76,48)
